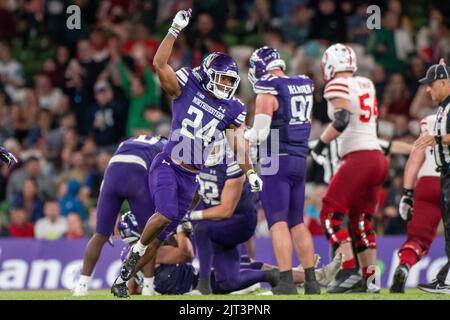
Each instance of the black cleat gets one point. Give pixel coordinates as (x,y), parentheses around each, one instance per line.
(400,276)
(204,286)
(120,290)
(312,287)
(284,287)
(127,268)
(365,286)
(347,281)
(272,277)
(435,287)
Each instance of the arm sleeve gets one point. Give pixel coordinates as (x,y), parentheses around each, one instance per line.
(183,77)
(233,170)
(266,84)
(337,88)
(242,113)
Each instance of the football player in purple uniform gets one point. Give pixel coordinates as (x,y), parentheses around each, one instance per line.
(225,218)
(203,106)
(126,178)
(283,106)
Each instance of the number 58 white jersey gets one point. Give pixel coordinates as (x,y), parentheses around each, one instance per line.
(361,131)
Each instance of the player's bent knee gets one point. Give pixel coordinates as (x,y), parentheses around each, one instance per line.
(332,224)
(417,246)
(364,235)
(229,285)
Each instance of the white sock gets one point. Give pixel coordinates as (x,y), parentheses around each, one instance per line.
(84,280)
(139,248)
(148,282)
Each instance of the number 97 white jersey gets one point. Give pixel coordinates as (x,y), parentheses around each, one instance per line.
(361,131)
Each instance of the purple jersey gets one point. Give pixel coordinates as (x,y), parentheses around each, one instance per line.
(197,120)
(146,147)
(212,181)
(293,116)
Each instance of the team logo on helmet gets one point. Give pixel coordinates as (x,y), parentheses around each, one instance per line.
(219,75)
(263,60)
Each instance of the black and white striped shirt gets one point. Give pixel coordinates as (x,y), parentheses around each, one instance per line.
(442,127)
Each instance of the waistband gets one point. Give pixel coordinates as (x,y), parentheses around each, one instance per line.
(184,165)
(362,153)
(128,158)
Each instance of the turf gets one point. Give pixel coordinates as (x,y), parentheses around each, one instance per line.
(411,294)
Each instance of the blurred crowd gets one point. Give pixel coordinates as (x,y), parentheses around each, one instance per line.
(69,97)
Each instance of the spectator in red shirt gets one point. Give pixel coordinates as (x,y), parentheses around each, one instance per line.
(20,226)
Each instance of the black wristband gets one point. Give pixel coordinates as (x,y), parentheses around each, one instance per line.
(319,147)
(408,192)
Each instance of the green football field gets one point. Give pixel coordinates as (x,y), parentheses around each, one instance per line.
(411,294)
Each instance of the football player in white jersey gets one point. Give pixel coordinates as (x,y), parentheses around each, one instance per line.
(420,205)
(353,190)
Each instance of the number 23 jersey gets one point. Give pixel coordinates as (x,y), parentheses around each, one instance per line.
(197,118)
(361,131)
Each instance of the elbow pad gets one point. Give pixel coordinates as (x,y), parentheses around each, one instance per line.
(341,119)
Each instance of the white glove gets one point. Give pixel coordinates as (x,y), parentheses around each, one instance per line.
(405,207)
(254,180)
(251,136)
(319,158)
(317,152)
(181,20)
(185,226)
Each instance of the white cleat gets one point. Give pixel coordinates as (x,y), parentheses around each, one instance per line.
(265,293)
(148,291)
(80,290)
(326,274)
(248,290)
(193,293)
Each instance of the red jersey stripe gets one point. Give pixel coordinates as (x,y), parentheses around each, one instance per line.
(336,90)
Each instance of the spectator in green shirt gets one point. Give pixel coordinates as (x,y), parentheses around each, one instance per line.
(141,92)
(382,45)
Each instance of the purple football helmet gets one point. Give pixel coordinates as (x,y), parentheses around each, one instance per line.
(263,60)
(128,228)
(214,66)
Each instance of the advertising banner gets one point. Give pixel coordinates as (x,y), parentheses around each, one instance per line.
(45,264)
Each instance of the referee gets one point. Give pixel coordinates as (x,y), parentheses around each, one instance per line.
(437,81)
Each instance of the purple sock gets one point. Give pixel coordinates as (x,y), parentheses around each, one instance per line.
(204,249)
(244,253)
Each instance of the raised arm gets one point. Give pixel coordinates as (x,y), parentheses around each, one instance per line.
(166,74)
